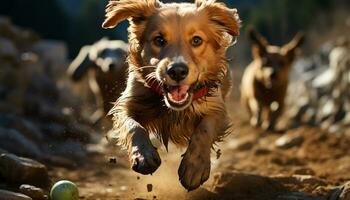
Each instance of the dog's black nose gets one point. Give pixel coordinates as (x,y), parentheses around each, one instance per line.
(178,71)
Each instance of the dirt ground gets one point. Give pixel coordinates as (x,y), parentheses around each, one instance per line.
(251,166)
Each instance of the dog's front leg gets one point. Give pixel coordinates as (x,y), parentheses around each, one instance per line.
(144,157)
(273,115)
(194,169)
(256,111)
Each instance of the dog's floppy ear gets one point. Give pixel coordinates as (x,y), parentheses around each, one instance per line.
(226,18)
(80,64)
(290,49)
(135,10)
(258,41)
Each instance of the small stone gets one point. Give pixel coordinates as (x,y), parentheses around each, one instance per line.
(113,160)
(304,171)
(149,187)
(23,170)
(218,153)
(261,151)
(7,195)
(345,194)
(245,146)
(33,192)
(289,141)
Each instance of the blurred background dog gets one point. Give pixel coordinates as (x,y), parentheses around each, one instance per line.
(104,64)
(265,80)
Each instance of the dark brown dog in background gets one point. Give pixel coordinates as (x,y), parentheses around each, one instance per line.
(265,80)
(178,81)
(105,65)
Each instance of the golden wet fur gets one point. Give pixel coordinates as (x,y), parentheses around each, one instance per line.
(141,111)
(265,80)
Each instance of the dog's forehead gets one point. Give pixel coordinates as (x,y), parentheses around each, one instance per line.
(273,49)
(178,9)
(177,16)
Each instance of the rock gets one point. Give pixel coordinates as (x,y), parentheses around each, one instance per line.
(53,130)
(309,179)
(245,186)
(23,170)
(33,192)
(27,128)
(300,181)
(289,140)
(11,139)
(298,195)
(7,49)
(44,87)
(149,187)
(327,92)
(7,195)
(55,54)
(304,171)
(334,194)
(345,194)
(203,194)
(245,146)
(6,107)
(3,151)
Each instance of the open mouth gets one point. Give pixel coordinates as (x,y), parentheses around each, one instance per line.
(178,97)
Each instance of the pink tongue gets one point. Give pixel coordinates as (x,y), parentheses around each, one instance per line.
(180,93)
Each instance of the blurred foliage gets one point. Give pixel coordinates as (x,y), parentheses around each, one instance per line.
(78,22)
(280,20)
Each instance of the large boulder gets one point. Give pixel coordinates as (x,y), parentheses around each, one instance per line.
(7,195)
(232,185)
(13,141)
(16,169)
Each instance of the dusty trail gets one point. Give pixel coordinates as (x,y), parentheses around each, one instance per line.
(314,165)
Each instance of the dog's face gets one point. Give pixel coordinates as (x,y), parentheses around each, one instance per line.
(182,46)
(108,55)
(274,62)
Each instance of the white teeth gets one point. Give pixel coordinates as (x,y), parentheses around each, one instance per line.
(178,102)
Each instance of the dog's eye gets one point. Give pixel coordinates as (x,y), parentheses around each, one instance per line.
(196,41)
(159,41)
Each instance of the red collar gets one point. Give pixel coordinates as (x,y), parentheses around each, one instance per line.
(155,87)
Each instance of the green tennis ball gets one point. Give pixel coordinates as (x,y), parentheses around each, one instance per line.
(64,190)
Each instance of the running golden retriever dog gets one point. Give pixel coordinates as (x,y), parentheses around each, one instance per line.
(265,80)
(178,81)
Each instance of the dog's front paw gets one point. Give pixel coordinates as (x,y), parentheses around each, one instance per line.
(145,159)
(194,169)
(267,126)
(254,122)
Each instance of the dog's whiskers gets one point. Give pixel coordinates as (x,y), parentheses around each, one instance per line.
(140,69)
